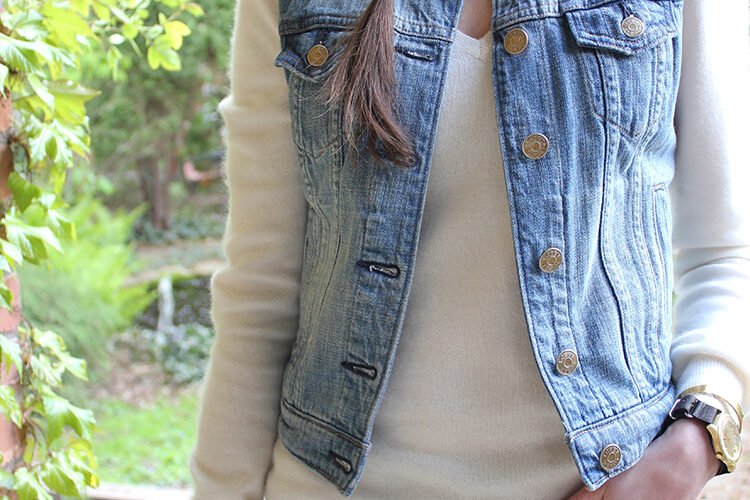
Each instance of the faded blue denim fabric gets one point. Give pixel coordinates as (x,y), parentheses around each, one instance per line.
(605,101)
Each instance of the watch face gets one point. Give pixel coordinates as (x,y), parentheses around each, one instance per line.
(729,437)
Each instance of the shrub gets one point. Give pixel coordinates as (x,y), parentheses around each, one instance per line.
(181,350)
(83,297)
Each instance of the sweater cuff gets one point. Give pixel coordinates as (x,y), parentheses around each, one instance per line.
(714,373)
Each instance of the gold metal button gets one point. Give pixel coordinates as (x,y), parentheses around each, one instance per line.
(550,260)
(610,457)
(632,27)
(317,55)
(567,362)
(515,41)
(535,146)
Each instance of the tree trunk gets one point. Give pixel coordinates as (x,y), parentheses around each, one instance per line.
(154,189)
(10,435)
(11,440)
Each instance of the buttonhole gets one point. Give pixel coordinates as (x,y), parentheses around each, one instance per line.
(388,270)
(416,54)
(366,370)
(343,463)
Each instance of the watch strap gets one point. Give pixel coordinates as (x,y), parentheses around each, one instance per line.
(705,390)
(692,407)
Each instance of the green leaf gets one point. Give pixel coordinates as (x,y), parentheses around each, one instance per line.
(60,226)
(9,405)
(81,7)
(76,366)
(14,57)
(40,251)
(69,100)
(44,234)
(26,23)
(129,31)
(61,413)
(56,412)
(101,11)
(175,31)
(62,478)
(41,90)
(23,191)
(154,31)
(152,56)
(119,14)
(44,370)
(7,480)
(35,215)
(81,457)
(48,339)
(11,251)
(12,353)
(28,486)
(29,239)
(161,54)
(28,57)
(194,9)
(6,298)
(65,26)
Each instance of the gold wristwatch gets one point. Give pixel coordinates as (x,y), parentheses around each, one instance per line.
(724,431)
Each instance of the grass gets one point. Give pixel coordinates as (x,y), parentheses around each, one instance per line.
(148,445)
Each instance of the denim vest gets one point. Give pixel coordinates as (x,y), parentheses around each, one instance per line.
(585,96)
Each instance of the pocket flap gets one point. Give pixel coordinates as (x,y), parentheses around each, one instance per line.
(296,46)
(602,27)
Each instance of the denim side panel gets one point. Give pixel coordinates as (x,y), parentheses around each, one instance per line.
(363,226)
(600,195)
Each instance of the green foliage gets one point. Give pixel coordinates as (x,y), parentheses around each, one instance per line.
(184,225)
(40,58)
(83,295)
(41,45)
(170,117)
(52,461)
(182,350)
(161,433)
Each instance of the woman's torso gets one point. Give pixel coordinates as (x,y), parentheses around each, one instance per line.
(466,414)
(588,152)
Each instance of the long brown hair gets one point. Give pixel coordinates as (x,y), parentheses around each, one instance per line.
(364,83)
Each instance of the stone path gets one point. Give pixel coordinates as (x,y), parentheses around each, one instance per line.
(110,491)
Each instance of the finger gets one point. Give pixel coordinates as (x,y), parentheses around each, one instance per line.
(584,494)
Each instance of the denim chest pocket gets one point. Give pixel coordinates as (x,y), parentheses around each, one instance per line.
(309,56)
(627,56)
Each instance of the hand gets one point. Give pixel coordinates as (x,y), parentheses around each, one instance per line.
(675,466)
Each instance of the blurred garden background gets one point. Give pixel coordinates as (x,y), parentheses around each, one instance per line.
(131,295)
(148,206)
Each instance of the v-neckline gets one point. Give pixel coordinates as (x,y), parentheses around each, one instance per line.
(478,39)
(476,47)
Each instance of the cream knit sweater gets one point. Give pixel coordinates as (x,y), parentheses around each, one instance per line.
(255,295)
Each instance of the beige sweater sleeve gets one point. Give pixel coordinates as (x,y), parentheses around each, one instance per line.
(711,204)
(255,295)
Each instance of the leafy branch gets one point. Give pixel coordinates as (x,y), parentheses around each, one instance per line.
(45,127)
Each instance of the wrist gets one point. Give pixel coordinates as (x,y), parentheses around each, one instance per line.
(693,445)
